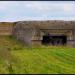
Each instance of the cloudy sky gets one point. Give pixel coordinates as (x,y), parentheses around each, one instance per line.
(37,10)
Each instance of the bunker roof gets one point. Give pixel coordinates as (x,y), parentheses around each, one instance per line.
(49,24)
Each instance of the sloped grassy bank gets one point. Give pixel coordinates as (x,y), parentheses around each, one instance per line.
(44,59)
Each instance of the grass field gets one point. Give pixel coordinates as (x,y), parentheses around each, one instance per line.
(43,60)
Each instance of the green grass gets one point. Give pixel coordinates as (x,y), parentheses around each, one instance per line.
(43,60)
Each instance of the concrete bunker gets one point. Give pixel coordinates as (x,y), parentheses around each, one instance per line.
(35,32)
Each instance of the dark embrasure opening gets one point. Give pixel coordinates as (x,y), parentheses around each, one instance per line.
(54,40)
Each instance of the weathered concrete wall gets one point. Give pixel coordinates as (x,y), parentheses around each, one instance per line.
(23,32)
(71,38)
(37,37)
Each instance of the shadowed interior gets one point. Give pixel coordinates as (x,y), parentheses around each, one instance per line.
(54,40)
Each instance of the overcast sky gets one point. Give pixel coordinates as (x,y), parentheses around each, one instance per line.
(37,10)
